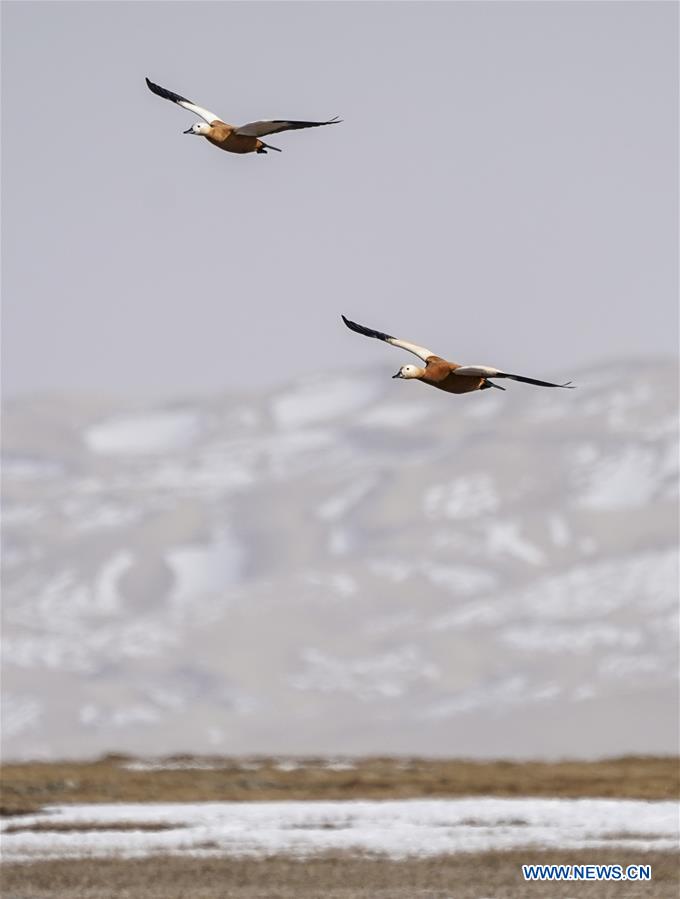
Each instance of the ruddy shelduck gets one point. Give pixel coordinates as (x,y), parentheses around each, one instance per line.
(449,376)
(234,138)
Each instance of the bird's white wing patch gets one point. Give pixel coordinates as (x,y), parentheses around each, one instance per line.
(418,351)
(205,114)
(477,371)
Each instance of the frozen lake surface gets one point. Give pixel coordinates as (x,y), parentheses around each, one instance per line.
(397,829)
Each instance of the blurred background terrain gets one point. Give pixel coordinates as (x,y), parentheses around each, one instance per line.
(349,565)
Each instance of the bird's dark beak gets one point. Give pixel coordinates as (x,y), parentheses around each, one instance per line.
(188,131)
(398,375)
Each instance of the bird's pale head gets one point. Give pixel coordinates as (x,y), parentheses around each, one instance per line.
(408,371)
(198,128)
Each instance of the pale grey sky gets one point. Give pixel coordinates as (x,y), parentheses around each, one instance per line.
(503,189)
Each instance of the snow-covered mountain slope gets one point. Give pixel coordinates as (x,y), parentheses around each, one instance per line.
(361,565)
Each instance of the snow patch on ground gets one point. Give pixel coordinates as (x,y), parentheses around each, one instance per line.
(579,640)
(461,498)
(204,477)
(487,408)
(292,453)
(504,538)
(20,713)
(648,581)
(23,468)
(384,676)
(343,585)
(559,530)
(172,766)
(18,515)
(322,400)
(393,569)
(497,694)
(154,432)
(463,580)
(398,829)
(615,407)
(388,624)
(88,516)
(105,594)
(629,666)
(336,506)
(92,715)
(69,650)
(201,569)
(340,541)
(472,614)
(395,415)
(626,480)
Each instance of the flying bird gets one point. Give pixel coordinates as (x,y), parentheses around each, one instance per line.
(449,376)
(234,138)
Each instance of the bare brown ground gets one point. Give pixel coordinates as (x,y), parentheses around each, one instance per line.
(29,786)
(469,876)
(91,827)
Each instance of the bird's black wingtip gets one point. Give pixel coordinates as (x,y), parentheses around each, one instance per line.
(165,93)
(353,326)
(156,88)
(367,332)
